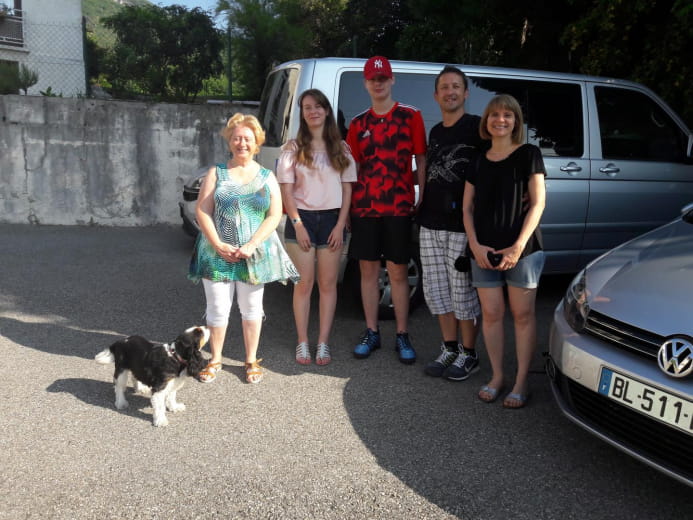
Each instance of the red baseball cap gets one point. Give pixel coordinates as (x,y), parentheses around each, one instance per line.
(377,66)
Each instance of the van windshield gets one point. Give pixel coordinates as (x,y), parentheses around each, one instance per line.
(275,105)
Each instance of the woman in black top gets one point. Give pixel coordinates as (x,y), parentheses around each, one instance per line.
(504,198)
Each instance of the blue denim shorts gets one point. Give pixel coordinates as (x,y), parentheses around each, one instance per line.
(318,223)
(525,274)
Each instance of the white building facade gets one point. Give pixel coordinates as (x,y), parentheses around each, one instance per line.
(47,37)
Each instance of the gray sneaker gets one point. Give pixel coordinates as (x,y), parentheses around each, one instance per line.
(436,367)
(464,366)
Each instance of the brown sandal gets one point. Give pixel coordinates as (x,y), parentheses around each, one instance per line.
(209,373)
(254,372)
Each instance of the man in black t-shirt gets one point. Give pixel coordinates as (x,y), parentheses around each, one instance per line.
(453,144)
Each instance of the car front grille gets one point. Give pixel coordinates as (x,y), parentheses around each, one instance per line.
(665,445)
(623,335)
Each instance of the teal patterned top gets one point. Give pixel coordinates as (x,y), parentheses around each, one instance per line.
(239,209)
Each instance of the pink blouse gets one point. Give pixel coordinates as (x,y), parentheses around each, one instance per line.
(318,187)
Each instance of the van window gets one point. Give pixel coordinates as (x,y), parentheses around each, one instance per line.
(275,105)
(552,111)
(409,89)
(632,126)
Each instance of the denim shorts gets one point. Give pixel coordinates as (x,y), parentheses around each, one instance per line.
(525,274)
(318,223)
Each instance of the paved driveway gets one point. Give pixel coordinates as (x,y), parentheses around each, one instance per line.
(356,439)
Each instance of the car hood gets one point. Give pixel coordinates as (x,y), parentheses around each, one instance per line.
(647,282)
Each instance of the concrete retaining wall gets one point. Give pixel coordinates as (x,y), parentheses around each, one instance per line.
(83,161)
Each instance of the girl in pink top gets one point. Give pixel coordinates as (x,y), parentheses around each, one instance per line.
(315,172)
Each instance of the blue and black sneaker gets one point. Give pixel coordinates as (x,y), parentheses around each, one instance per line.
(464,366)
(444,360)
(405,351)
(369,342)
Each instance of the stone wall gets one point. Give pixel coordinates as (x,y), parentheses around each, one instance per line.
(83,161)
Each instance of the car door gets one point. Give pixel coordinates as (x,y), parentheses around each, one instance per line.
(640,176)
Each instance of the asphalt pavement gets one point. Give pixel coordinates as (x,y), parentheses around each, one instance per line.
(357,439)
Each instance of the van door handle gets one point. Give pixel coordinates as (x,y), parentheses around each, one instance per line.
(571,168)
(610,169)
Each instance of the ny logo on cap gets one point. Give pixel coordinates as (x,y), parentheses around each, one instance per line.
(378,64)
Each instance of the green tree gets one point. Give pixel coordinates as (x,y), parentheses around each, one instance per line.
(650,41)
(9,77)
(256,41)
(95,55)
(26,78)
(266,32)
(523,33)
(165,52)
(448,31)
(320,26)
(374,26)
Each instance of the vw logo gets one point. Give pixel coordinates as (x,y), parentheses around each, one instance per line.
(675,357)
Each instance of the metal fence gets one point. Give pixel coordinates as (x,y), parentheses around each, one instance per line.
(55,51)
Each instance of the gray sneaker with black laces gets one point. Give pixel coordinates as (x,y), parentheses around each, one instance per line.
(436,367)
(464,366)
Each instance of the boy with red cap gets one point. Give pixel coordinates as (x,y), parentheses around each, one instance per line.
(383,140)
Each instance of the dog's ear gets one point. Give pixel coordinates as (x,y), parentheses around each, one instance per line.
(201,336)
(196,362)
(194,336)
(189,339)
(185,341)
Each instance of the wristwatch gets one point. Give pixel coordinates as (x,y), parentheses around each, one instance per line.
(296,220)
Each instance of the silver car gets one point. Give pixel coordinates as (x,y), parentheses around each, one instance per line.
(621,348)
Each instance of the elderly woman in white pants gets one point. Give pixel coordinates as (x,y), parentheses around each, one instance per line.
(238,251)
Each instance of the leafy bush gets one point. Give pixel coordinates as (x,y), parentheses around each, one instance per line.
(9,78)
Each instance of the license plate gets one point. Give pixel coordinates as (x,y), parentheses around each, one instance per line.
(647,399)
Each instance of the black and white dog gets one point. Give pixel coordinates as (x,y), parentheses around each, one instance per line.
(161,367)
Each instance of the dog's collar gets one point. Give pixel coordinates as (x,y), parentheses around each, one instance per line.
(171,351)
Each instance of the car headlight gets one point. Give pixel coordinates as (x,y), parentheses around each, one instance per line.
(192,189)
(575,306)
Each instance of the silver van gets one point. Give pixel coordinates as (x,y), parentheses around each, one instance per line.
(618,159)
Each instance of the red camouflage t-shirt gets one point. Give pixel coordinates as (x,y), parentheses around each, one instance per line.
(382,146)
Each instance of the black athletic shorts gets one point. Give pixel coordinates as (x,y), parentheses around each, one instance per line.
(376,237)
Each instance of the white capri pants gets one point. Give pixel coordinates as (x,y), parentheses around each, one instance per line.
(220,300)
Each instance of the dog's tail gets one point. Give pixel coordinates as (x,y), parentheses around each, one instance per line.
(105,357)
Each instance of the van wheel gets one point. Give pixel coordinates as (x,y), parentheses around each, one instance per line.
(386,310)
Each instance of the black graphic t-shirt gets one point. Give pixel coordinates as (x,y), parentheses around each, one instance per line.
(450,151)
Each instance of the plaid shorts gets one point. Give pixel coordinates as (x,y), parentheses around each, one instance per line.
(445,288)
